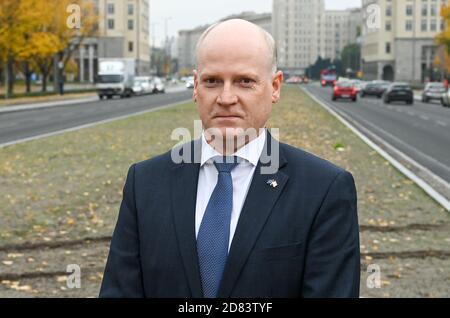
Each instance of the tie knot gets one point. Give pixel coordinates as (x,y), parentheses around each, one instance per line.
(226,164)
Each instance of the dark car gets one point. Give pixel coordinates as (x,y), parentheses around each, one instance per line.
(375,88)
(344,90)
(433,91)
(399,92)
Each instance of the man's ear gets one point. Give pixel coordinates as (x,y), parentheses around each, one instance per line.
(194,94)
(277,82)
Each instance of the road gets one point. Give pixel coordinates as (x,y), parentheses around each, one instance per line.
(30,123)
(421,131)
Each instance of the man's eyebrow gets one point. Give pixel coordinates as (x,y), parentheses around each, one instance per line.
(239,75)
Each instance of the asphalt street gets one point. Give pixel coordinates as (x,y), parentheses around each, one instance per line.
(34,122)
(421,131)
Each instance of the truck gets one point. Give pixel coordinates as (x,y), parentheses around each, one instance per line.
(115,77)
(328,77)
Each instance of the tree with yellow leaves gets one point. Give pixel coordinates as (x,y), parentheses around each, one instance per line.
(33,32)
(442,59)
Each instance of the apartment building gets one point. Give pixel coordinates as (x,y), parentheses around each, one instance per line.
(299,33)
(123,33)
(187,39)
(398,38)
(304,30)
(342,27)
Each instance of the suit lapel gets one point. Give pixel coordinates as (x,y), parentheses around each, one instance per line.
(184,183)
(258,205)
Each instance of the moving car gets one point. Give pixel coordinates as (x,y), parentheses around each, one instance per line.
(142,85)
(190,82)
(328,77)
(158,85)
(445,99)
(294,80)
(399,92)
(433,91)
(374,88)
(344,90)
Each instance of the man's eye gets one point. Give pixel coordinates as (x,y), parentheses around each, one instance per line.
(247,81)
(211,81)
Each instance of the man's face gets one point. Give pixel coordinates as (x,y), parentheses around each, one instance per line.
(234,84)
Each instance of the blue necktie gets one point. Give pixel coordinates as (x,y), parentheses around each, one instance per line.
(214,233)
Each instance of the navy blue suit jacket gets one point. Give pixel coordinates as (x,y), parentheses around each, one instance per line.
(299,239)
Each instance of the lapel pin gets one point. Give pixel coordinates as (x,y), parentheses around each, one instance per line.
(272,183)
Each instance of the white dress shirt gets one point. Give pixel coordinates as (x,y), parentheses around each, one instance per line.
(242,176)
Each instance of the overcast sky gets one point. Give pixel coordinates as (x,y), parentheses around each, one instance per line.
(182,14)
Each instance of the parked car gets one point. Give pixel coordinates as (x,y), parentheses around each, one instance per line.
(158,86)
(433,91)
(445,99)
(344,90)
(374,88)
(399,92)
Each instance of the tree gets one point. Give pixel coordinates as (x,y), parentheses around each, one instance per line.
(442,59)
(32,32)
(351,56)
(11,25)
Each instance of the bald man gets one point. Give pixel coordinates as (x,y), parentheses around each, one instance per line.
(240,215)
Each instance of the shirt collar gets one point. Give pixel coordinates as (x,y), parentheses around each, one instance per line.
(251,152)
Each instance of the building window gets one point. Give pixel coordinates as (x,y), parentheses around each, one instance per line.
(433,25)
(409,10)
(433,11)
(424,10)
(388,26)
(408,25)
(423,25)
(110,8)
(130,9)
(388,47)
(110,24)
(130,24)
(389,11)
(130,46)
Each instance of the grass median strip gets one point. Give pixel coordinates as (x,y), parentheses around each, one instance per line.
(69,186)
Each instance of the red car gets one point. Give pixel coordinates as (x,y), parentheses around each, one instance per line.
(344,90)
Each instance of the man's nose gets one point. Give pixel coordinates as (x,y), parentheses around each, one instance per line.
(227,96)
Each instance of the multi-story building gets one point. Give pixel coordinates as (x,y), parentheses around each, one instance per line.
(187,39)
(398,38)
(298,31)
(342,27)
(304,30)
(123,32)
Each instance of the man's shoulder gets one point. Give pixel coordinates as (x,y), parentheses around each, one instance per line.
(158,162)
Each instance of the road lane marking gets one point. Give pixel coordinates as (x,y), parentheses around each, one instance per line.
(424,117)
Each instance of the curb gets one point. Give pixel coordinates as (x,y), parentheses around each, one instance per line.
(18,108)
(439,198)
